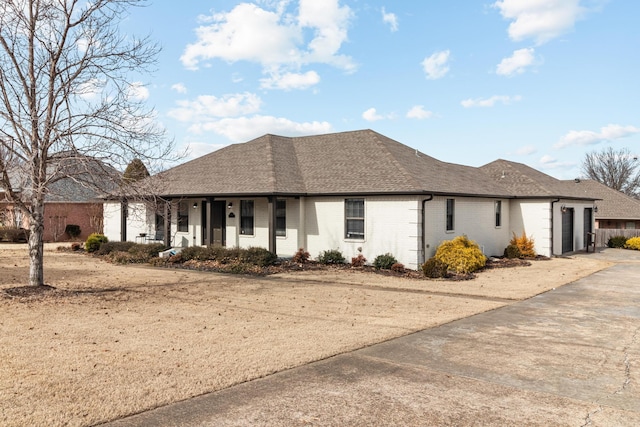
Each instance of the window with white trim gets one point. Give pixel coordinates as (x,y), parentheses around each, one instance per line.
(183,216)
(246,217)
(281,218)
(354,218)
(450,214)
(498,210)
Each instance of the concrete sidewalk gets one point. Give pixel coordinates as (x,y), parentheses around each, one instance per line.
(566,357)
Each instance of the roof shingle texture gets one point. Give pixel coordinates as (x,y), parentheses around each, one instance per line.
(614,204)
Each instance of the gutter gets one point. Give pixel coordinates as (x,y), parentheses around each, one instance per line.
(424,238)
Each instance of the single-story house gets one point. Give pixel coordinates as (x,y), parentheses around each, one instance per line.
(358,192)
(614,210)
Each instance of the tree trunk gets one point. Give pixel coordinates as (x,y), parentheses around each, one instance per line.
(36,244)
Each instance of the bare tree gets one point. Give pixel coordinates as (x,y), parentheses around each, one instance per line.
(68,106)
(617,169)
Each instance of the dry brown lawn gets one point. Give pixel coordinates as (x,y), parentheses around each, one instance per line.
(114,340)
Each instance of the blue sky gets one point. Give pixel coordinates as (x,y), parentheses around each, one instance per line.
(540,82)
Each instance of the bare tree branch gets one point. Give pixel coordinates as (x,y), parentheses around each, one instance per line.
(618,169)
(68,108)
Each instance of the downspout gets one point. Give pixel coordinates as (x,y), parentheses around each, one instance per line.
(424,223)
(553,202)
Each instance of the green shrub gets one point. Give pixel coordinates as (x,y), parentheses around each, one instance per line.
(384,262)
(358,261)
(525,245)
(461,255)
(617,242)
(108,247)
(633,243)
(198,253)
(434,268)
(144,252)
(301,256)
(258,256)
(94,241)
(512,251)
(332,256)
(72,230)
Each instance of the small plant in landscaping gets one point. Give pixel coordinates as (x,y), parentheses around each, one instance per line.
(512,251)
(108,247)
(434,268)
(633,243)
(461,255)
(258,256)
(301,256)
(384,262)
(332,256)
(617,242)
(358,261)
(525,245)
(94,241)
(398,267)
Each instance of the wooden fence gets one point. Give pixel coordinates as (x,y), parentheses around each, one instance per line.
(603,234)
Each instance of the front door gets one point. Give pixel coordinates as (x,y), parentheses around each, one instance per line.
(218,223)
(588,220)
(567,230)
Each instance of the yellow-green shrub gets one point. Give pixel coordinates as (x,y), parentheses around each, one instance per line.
(633,243)
(525,244)
(461,255)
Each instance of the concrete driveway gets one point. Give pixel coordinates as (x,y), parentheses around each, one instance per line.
(568,357)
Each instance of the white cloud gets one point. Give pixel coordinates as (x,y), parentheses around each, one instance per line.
(205,107)
(436,66)
(138,92)
(199,149)
(490,102)
(274,38)
(548,162)
(418,112)
(372,115)
(588,137)
(179,87)
(290,81)
(540,20)
(391,19)
(90,90)
(526,150)
(242,129)
(516,63)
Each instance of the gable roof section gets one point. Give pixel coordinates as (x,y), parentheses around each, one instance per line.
(525,181)
(357,162)
(613,204)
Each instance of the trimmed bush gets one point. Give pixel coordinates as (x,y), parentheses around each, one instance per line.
(384,262)
(332,256)
(301,256)
(461,255)
(512,251)
(198,253)
(617,242)
(94,241)
(108,247)
(434,268)
(14,234)
(72,230)
(398,267)
(525,245)
(358,261)
(633,243)
(258,256)
(144,252)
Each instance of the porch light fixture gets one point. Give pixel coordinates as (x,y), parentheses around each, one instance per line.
(563,208)
(195,205)
(595,209)
(230,205)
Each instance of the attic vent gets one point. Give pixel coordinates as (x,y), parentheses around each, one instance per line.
(577,180)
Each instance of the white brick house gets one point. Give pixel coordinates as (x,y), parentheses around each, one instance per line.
(358,192)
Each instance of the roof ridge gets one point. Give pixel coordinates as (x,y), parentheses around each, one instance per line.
(270,161)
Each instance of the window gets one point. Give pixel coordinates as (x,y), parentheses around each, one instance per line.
(498,213)
(281,217)
(354,218)
(183,216)
(630,225)
(246,217)
(451,207)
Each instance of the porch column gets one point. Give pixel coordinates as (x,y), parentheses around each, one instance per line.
(167,223)
(272,224)
(124,208)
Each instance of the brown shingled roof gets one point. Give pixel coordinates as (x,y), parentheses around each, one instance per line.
(357,162)
(614,204)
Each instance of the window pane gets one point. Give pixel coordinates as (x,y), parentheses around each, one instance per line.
(498,213)
(281,217)
(246,217)
(354,218)
(183,216)
(450,214)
